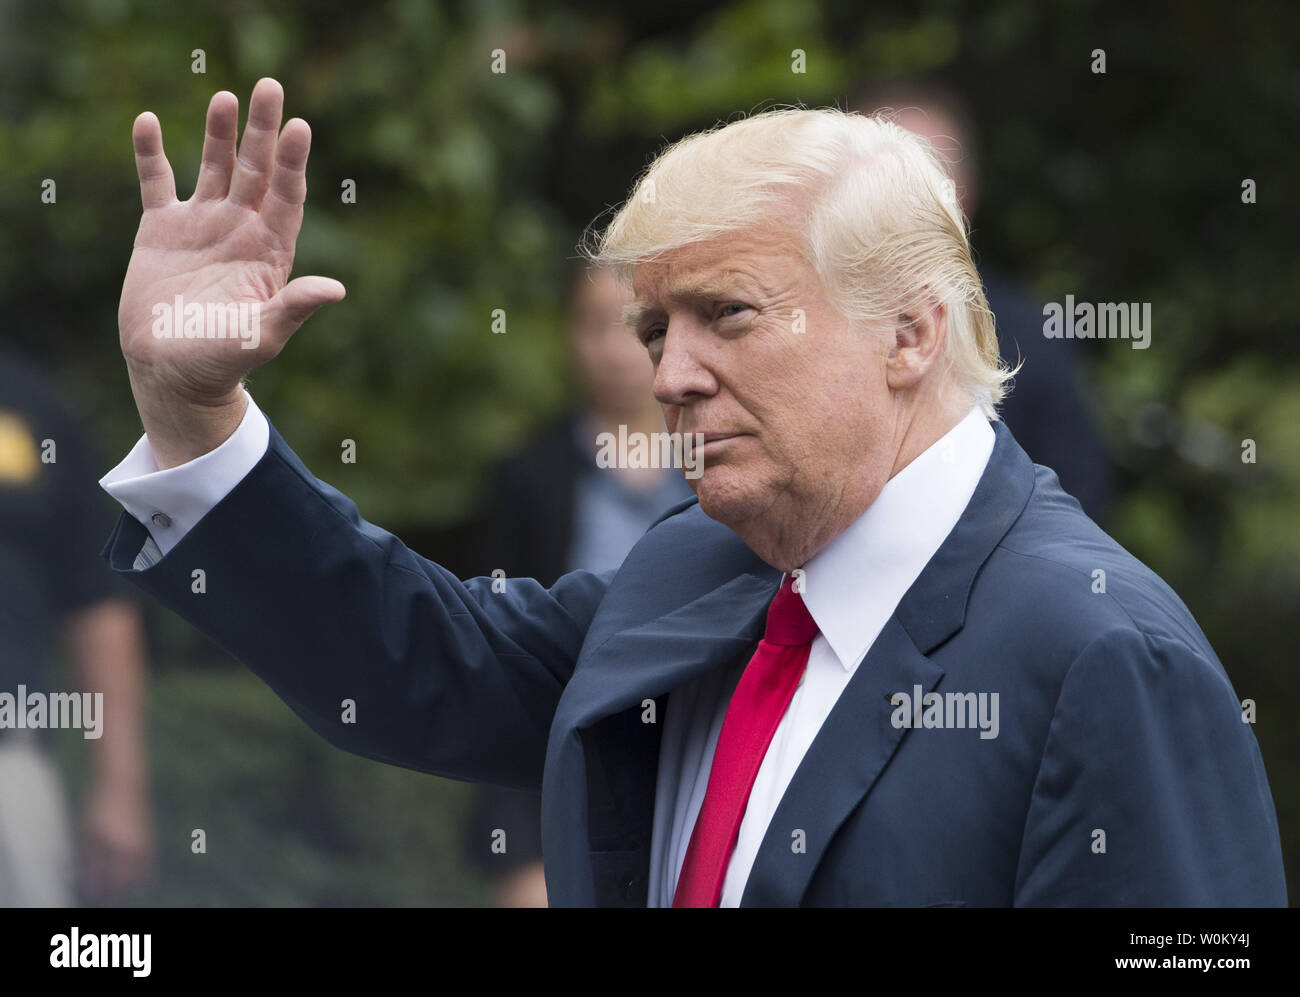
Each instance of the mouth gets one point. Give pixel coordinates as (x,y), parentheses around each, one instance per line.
(713,441)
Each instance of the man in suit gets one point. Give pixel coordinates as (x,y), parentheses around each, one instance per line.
(880,659)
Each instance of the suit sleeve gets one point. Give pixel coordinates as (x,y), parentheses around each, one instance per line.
(1147,748)
(383,653)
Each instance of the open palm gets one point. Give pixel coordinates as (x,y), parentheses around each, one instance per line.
(232,243)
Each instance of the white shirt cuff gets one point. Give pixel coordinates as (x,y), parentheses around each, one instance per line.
(170,503)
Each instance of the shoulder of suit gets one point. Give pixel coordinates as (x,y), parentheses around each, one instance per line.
(675,510)
(1074,581)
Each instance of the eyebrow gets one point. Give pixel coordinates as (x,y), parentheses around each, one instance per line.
(708,287)
(633,312)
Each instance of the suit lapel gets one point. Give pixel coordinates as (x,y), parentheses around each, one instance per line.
(652,659)
(842,764)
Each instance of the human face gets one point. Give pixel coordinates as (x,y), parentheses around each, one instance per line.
(611,367)
(791,398)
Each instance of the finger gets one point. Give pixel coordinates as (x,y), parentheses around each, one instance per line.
(218,147)
(257,148)
(282,207)
(157,185)
(298,300)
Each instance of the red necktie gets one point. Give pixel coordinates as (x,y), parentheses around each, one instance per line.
(754,713)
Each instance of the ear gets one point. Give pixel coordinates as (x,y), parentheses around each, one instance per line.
(919,338)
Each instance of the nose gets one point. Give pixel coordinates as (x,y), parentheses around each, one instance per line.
(680,374)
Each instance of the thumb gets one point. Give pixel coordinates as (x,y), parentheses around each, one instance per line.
(298,300)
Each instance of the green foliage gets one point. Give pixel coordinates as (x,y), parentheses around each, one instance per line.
(288,819)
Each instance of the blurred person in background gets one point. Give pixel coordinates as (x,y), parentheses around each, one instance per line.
(52,585)
(1048,411)
(551,510)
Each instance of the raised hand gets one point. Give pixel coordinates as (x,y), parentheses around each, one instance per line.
(207,295)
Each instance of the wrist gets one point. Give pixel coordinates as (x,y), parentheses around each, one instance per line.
(184,425)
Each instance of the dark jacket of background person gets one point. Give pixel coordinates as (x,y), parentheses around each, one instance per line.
(1048,409)
(49,521)
(528,526)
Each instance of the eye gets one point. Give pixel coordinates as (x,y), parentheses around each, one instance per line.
(731,308)
(650,335)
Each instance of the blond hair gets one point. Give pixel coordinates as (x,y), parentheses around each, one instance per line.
(883,228)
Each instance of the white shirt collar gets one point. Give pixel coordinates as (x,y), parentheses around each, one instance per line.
(854,584)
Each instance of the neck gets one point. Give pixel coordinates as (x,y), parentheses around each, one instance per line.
(808,523)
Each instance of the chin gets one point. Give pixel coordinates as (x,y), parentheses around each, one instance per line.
(726,496)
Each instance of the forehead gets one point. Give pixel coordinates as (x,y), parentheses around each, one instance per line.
(756,262)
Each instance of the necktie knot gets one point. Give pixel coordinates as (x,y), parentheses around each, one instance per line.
(788,621)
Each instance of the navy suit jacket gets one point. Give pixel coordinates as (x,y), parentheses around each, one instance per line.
(1122,773)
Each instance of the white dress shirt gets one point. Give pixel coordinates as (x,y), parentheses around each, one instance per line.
(851,588)
(170,503)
